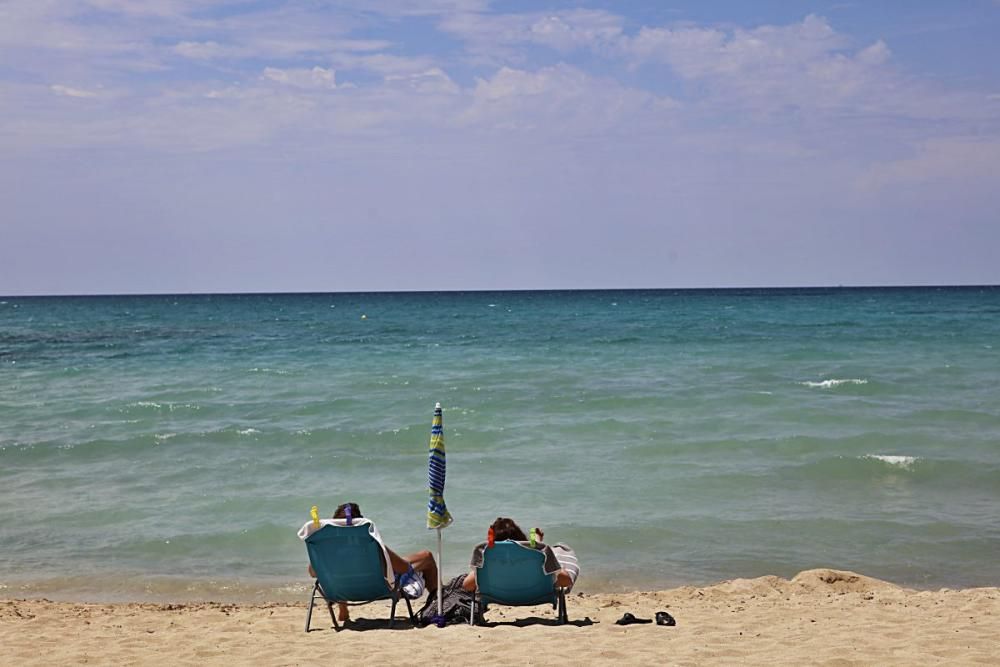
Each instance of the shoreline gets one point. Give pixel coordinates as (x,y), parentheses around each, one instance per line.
(154,589)
(817,617)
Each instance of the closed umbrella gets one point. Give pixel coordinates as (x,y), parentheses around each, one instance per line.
(438,516)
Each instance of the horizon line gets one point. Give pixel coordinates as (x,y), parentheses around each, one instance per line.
(518,289)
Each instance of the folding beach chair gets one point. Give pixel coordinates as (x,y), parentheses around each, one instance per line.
(349,567)
(512,574)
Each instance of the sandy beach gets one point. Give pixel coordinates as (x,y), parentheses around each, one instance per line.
(823,617)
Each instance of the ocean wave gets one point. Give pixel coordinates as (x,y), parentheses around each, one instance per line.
(926,472)
(248,431)
(829,384)
(904,462)
(153,405)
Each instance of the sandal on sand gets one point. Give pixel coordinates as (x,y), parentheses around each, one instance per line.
(629,619)
(663,618)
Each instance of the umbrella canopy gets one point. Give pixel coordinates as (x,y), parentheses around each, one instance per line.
(437,512)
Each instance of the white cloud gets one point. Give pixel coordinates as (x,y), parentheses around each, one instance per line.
(806,66)
(316,78)
(496,37)
(576,29)
(67,91)
(876,54)
(805,70)
(561,99)
(404,8)
(701,52)
(431,81)
(203,50)
(385,64)
(150,8)
(796,86)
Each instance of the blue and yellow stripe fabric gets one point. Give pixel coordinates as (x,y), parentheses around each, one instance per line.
(437,512)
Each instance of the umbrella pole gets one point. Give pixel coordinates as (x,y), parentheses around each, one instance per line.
(439,619)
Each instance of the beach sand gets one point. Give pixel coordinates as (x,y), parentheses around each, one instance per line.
(824,617)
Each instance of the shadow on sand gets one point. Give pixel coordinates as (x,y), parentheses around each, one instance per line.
(362,624)
(535,620)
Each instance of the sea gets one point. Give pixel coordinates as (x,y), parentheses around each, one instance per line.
(168,448)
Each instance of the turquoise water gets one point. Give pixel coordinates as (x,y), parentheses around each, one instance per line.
(168,447)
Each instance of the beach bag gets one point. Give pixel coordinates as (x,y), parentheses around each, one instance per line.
(455,602)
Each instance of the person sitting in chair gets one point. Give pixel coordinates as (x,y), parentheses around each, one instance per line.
(421,561)
(505,529)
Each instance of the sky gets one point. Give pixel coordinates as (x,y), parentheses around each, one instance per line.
(173,146)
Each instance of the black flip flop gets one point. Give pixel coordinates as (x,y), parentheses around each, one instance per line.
(663,618)
(629,619)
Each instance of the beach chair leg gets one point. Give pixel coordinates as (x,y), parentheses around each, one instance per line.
(409,609)
(477,611)
(563,616)
(333,617)
(312,601)
(392,612)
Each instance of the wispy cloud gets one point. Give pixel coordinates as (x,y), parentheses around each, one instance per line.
(317,77)
(67,91)
(559,99)
(740,129)
(206,50)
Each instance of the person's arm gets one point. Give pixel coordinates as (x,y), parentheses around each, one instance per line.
(470,581)
(563,580)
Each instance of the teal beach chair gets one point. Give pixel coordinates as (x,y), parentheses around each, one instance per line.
(349,568)
(512,574)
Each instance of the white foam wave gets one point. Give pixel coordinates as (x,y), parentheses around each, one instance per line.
(163,437)
(829,384)
(904,462)
(248,431)
(159,406)
(275,371)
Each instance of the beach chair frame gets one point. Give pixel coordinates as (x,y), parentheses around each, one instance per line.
(512,575)
(348,562)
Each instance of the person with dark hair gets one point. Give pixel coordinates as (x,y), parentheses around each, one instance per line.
(420,561)
(505,528)
(341,511)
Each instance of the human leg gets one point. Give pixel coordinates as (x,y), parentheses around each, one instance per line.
(343,613)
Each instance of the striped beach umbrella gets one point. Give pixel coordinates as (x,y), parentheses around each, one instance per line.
(438,516)
(437,512)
